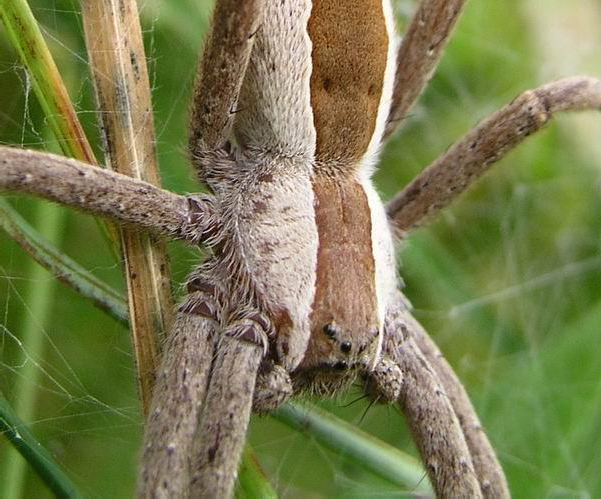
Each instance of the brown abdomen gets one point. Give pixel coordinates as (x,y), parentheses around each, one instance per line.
(349,57)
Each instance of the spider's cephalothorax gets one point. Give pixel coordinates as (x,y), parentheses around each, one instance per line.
(304,245)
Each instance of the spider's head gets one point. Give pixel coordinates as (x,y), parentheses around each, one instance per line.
(334,346)
(336,354)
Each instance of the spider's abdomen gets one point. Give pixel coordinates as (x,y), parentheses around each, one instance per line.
(351,78)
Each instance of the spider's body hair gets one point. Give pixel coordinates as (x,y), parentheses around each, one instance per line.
(353,59)
(304,239)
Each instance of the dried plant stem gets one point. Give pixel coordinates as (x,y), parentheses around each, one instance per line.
(116,52)
(220,436)
(422,47)
(50,91)
(442,182)
(47,84)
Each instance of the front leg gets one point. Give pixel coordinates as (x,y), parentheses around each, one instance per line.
(221,430)
(435,404)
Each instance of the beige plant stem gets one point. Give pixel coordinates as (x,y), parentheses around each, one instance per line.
(118,65)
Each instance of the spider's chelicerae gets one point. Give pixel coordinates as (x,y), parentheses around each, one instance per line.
(298,292)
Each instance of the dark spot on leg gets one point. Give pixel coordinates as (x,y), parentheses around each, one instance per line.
(265,177)
(260,207)
(212,451)
(200,307)
(199,284)
(261,320)
(285,348)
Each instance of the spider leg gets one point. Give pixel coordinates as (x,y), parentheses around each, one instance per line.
(421,49)
(401,326)
(384,383)
(221,432)
(221,72)
(488,469)
(178,396)
(102,192)
(429,413)
(274,388)
(463,163)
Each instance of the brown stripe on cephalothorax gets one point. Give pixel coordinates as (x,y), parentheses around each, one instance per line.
(349,57)
(344,318)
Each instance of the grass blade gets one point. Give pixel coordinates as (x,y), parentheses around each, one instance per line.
(36,455)
(33,341)
(61,266)
(252,482)
(26,37)
(367,451)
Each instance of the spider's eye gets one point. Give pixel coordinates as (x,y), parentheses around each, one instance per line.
(341,365)
(346,346)
(329,330)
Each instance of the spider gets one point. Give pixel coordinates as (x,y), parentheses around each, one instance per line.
(271,320)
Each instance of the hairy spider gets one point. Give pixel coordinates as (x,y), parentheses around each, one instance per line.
(290,108)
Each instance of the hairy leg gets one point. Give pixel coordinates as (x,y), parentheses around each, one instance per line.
(463,163)
(430,415)
(490,474)
(422,47)
(402,326)
(221,72)
(105,193)
(221,432)
(178,396)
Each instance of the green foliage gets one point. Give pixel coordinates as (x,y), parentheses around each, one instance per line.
(507,281)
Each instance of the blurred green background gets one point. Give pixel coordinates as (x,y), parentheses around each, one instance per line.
(508,281)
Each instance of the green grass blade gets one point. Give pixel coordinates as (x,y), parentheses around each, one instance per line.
(369,452)
(61,266)
(38,295)
(26,38)
(37,456)
(252,482)
(49,88)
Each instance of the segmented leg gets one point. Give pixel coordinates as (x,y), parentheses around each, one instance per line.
(220,435)
(177,398)
(445,179)
(490,474)
(422,47)
(274,388)
(385,382)
(105,193)
(221,72)
(408,343)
